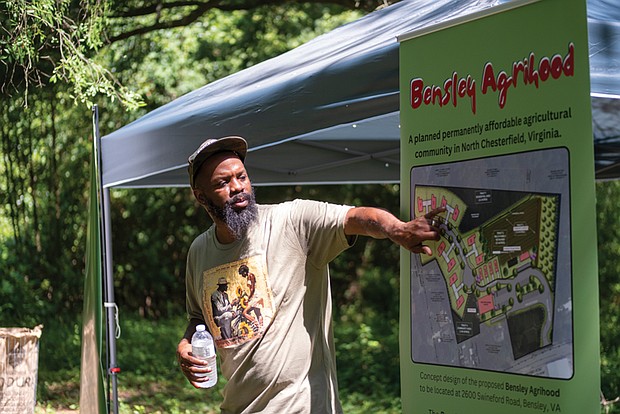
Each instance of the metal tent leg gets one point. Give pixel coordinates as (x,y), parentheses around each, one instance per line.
(112,326)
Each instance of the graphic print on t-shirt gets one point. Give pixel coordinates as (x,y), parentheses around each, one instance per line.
(238,301)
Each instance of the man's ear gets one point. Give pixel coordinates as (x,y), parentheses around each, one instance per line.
(200,197)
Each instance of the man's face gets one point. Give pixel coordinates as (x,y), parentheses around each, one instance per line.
(224,188)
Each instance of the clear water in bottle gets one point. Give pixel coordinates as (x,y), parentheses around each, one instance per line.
(204,348)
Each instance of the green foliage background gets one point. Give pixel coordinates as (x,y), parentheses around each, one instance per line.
(46,141)
(608,223)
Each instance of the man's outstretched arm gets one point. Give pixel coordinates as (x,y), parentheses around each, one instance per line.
(381,224)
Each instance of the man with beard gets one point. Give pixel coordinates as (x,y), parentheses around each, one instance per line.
(288,366)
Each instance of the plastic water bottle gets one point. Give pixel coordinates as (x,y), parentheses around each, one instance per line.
(204,348)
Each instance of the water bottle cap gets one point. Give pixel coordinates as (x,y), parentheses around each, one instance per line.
(200,328)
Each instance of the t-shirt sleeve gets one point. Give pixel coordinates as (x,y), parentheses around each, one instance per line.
(192,291)
(320,227)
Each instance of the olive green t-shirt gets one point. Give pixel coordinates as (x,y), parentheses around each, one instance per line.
(266,300)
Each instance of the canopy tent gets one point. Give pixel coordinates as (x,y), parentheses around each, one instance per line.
(327,111)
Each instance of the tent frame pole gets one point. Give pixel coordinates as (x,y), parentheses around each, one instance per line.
(111,309)
(109,304)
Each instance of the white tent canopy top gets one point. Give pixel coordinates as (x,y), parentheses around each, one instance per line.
(327,111)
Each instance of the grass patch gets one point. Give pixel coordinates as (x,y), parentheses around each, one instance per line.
(151,381)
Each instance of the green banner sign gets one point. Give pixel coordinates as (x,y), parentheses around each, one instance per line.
(92,374)
(496,127)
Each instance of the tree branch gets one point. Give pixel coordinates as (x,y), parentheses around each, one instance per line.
(202,7)
(184,21)
(157,8)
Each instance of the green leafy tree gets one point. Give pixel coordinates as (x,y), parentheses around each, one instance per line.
(48,41)
(608,197)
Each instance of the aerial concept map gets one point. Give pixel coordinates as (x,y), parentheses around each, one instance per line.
(496,293)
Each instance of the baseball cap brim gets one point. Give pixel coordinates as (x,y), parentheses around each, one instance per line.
(211,147)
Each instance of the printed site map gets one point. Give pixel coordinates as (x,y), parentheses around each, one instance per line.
(495,295)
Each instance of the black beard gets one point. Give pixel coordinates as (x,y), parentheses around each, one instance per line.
(237,221)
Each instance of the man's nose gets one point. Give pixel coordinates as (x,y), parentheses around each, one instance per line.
(235,186)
